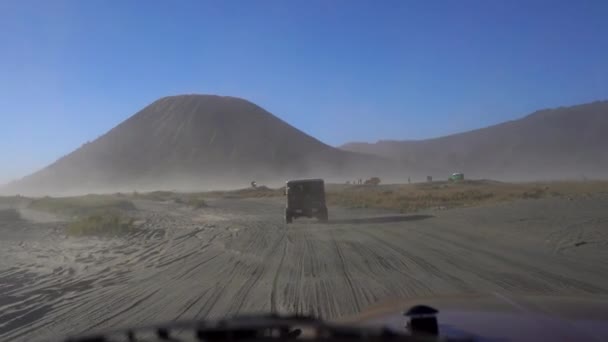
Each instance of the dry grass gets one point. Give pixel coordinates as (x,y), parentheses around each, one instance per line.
(194,200)
(414,197)
(157,195)
(197,199)
(81,206)
(407,197)
(260,191)
(399,197)
(91,215)
(102,224)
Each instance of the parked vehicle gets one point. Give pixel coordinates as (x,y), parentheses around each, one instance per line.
(456,177)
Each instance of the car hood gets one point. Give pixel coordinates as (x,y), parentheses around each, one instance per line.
(497,317)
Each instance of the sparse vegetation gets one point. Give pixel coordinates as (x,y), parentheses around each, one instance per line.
(102,224)
(195,201)
(198,199)
(82,206)
(90,215)
(86,210)
(259,191)
(157,196)
(414,197)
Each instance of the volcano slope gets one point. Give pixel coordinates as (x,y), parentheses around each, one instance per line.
(237,256)
(193,142)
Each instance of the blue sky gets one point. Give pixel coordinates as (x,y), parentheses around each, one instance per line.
(339,70)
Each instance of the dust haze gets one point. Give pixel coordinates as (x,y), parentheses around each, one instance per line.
(211,245)
(207,142)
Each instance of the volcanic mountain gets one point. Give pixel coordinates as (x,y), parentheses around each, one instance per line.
(192,142)
(561,143)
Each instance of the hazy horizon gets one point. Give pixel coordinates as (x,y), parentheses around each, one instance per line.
(410,70)
(19,176)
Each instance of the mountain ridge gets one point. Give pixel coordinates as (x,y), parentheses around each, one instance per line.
(564,142)
(535,113)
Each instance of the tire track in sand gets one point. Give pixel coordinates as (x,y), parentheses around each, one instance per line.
(345,272)
(125,310)
(420,262)
(242,294)
(275,280)
(551,278)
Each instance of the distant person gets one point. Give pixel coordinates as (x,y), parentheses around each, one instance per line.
(409,181)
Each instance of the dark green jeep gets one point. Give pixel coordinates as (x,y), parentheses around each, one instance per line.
(305,197)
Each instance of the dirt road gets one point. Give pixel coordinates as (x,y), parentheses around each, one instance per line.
(238,256)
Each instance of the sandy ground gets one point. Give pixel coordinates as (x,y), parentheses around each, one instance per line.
(238,256)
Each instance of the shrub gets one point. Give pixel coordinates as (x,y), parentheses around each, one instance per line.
(197,202)
(106,224)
